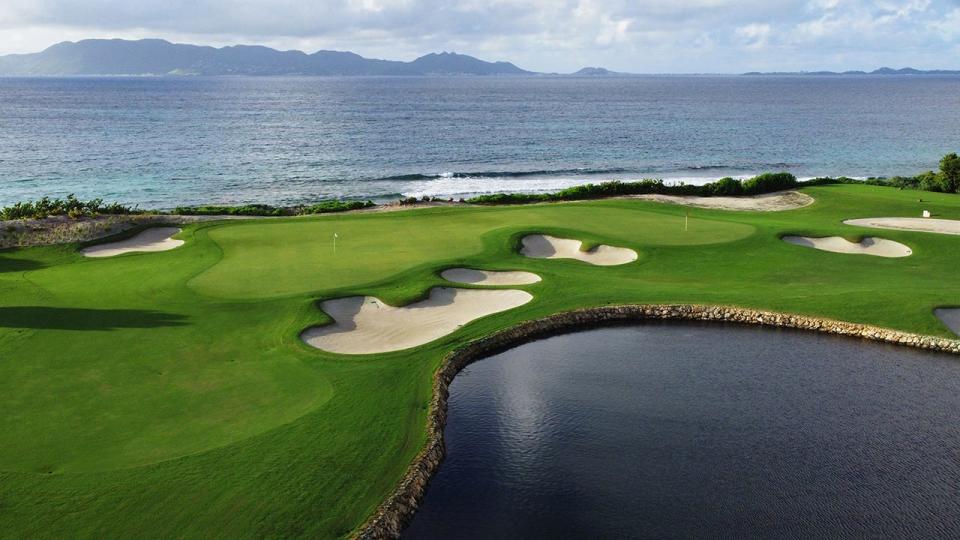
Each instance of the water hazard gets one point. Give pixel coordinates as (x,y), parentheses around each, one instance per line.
(695,430)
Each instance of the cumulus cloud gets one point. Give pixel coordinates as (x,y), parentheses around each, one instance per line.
(548,35)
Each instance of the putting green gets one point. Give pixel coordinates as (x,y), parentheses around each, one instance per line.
(270,259)
(169,395)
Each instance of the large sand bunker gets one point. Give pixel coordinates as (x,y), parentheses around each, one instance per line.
(878,247)
(365,325)
(154,239)
(487,277)
(942,226)
(541,246)
(768,202)
(950,317)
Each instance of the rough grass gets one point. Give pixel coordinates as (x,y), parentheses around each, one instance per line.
(167,394)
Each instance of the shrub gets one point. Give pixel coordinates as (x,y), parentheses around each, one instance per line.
(326,207)
(950,173)
(71,206)
(929,181)
(769,182)
(904,182)
(243,210)
(322,207)
(726,187)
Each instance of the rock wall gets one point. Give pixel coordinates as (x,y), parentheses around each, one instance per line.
(389,519)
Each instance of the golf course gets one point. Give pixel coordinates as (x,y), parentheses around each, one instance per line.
(190,390)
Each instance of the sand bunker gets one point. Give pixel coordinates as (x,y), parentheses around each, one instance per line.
(487,277)
(950,317)
(365,325)
(878,247)
(768,202)
(155,239)
(540,246)
(942,226)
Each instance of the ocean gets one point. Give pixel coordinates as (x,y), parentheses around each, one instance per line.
(161,142)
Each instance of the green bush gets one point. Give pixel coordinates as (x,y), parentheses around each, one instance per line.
(70,206)
(322,207)
(950,173)
(929,181)
(769,182)
(243,210)
(726,187)
(325,207)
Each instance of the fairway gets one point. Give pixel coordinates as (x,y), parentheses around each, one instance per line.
(169,393)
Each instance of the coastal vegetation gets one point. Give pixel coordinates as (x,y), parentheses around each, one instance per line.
(946,180)
(322,207)
(758,185)
(69,206)
(169,394)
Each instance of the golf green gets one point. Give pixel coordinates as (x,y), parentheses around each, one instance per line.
(169,394)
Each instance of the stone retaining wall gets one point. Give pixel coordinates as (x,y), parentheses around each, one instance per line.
(389,519)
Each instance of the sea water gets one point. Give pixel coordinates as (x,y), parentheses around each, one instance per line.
(163,141)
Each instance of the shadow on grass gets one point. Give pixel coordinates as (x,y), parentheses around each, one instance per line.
(19,265)
(54,318)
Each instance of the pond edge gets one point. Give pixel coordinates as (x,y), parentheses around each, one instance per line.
(397,510)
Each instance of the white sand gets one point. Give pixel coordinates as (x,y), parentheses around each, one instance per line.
(487,277)
(878,247)
(540,246)
(365,325)
(949,317)
(942,226)
(768,202)
(155,239)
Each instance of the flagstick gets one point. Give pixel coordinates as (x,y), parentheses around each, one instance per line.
(334,243)
(686,221)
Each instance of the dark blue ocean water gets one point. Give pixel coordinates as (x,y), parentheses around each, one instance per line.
(700,431)
(163,141)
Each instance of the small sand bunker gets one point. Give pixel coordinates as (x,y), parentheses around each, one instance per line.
(942,226)
(878,247)
(768,202)
(950,317)
(487,277)
(541,246)
(365,325)
(154,239)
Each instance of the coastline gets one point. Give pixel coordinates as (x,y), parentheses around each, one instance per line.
(61,229)
(393,514)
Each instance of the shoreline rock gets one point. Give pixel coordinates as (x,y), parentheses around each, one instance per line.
(396,511)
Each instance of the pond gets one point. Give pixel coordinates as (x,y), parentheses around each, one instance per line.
(692,430)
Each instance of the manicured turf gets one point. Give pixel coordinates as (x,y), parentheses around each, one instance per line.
(167,394)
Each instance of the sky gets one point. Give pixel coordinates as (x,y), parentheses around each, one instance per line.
(639,36)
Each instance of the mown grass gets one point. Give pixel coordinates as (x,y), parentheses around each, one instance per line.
(168,394)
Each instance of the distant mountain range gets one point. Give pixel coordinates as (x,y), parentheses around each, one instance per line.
(160,57)
(881,71)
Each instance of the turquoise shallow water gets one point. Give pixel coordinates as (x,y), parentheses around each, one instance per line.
(159,142)
(700,431)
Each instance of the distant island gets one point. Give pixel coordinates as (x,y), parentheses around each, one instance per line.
(160,57)
(881,71)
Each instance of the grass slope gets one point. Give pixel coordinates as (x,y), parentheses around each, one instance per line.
(168,394)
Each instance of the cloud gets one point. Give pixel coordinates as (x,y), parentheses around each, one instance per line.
(548,35)
(754,36)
